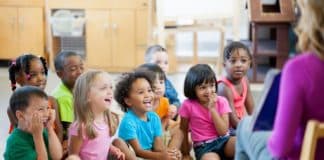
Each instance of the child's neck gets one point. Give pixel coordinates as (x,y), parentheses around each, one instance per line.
(22,127)
(140,115)
(99,117)
(205,105)
(68,87)
(234,81)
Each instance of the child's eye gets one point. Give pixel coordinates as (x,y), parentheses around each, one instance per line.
(73,69)
(202,87)
(232,61)
(140,92)
(244,60)
(103,88)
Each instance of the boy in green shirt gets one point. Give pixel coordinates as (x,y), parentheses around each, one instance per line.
(68,66)
(34,137)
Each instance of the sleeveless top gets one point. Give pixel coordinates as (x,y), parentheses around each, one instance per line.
(238,99)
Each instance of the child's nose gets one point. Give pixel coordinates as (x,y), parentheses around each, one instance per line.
(239,63)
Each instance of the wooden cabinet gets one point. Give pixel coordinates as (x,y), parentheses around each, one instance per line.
(116,34)
(22,30)
(108,32)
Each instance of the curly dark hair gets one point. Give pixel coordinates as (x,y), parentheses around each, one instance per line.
(124,85)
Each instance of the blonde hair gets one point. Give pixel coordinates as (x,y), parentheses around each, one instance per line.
(82,110)
(310,28)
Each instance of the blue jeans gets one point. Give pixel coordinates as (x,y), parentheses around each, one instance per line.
(216,146)
(251,145)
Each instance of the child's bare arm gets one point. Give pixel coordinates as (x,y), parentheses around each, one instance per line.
(116,152)
(55,147)
(58,124)
(36,129)
(224,91)
(119,143)
(249,103)
(165,122)
(176,138)
(185,147)
(157,154)
(75,144)
(169,153)
(220,121)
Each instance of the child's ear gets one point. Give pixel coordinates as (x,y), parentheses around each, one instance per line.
(19,115)
(128,101)
(59,74)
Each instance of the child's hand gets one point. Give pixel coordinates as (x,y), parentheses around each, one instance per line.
(116,152)
(51,118)
(172,111)
(36,125)
(187,157)
(212,101)
(174,154)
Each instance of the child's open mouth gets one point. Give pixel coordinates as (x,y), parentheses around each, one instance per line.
(108,100)
(148,103)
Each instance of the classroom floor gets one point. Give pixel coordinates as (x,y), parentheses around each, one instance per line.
(53,80)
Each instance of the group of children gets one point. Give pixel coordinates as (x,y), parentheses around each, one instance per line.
(78,120)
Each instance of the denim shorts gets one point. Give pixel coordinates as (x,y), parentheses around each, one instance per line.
(216,146)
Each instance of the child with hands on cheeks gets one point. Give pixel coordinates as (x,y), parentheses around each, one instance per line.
(206,114)
(34,137)
(29,69)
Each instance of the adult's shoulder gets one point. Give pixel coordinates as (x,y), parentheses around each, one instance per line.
(302,59)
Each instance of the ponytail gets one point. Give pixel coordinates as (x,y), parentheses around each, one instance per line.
(12,74)
(43,60)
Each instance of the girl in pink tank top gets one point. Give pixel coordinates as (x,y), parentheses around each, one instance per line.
(235,86)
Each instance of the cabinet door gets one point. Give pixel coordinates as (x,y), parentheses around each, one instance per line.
(98,40)
(123,38)
(31,31)
(8,33)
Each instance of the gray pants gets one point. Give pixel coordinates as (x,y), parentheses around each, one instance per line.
(251,145)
